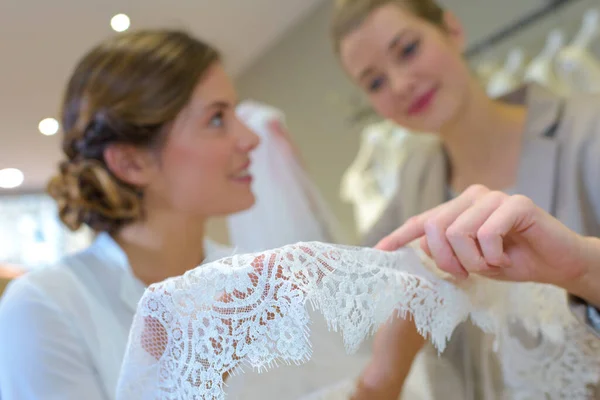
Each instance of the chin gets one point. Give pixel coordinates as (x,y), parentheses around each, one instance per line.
(250,200)
(243,203)
(432,121)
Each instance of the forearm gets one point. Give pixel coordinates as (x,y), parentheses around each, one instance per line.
(395,347)
(587,287)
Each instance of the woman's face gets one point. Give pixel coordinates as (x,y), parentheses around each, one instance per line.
(411,70)
(203,165)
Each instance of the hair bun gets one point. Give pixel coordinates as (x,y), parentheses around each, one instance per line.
(86,193)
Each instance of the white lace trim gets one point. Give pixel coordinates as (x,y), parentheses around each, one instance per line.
(250,310)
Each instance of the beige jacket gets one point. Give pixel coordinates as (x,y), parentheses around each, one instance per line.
(559,170)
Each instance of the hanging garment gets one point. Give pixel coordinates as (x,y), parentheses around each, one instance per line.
(576,65)
(485,70)
(509,77)
(289,207)
(542,68)
(372,179)
(250,310)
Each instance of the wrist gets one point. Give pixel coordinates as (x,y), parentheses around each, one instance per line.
(587,285)
(378,382)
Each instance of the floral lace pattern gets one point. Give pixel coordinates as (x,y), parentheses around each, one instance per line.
(191,331)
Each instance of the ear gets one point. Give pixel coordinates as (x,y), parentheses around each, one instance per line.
(455,31)
(130,164)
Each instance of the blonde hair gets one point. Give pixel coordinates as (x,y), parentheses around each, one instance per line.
(350,14)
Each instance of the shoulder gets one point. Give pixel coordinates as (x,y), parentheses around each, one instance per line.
(69,284)
(48,288)
(579,135)
(584,105)
(581,118)
(36,302)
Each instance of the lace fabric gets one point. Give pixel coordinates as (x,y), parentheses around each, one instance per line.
(191,332)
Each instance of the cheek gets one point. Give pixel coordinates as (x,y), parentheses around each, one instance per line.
(384,104)
(441,61)
(190,166)
(433,62)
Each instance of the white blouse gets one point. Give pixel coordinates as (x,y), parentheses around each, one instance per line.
(64,329)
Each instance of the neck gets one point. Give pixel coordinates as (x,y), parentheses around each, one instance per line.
(163,245)
(484,143)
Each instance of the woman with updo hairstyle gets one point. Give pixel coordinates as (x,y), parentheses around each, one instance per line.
(153,150)
(532,155)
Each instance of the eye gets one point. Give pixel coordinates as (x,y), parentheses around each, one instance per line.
(376,84)
(410,49)
(217,120)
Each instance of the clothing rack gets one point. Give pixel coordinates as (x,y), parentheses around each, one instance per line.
(552,7)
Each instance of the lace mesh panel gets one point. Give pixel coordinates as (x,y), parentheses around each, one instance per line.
(191,331)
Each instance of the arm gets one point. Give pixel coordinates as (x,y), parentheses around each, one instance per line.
(396,343)
(394,350)
(586,292)
(42,355)
(587,287)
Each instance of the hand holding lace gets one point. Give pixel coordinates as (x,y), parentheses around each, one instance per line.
(506,238)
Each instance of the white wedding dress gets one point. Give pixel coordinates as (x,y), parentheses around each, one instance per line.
(542,69)
(372,179)
(251,311)
(509,77)
(576,65)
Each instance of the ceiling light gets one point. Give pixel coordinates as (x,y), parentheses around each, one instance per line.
(48,126)
(11,178)
(120,22)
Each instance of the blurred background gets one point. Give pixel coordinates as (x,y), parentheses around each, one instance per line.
(279,53)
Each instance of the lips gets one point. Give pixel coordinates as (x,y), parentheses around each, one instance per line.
(422,102)
(243,174)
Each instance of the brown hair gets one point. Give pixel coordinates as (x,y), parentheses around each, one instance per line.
(350,14)
(124,91)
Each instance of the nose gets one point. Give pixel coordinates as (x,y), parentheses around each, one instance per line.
(401,82)
(247,139)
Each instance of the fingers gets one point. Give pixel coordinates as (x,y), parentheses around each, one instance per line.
(468,233)
(463,235)
(437,241)
(411,230)
(514,215)
(414,227)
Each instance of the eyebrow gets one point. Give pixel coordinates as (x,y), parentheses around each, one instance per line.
(221,104)
(391,46)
